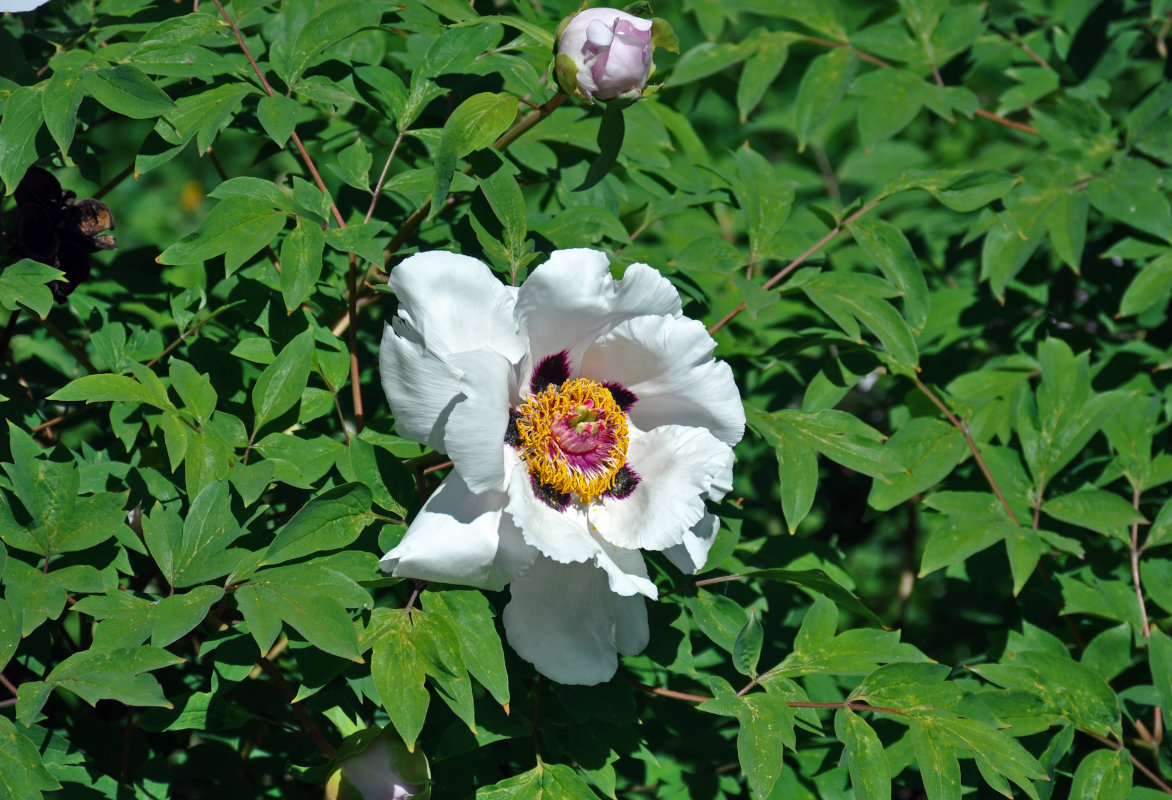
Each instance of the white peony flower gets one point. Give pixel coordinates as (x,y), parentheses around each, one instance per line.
(586,420)
(611,51)
(20,5)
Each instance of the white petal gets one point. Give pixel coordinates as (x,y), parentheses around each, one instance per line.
(20,5)
(678,468)
(564,620)
(599,33)
(571,299)
(690,556)
(456,304)
(667,362)
(462,538)
(420,386)
(475,432)
(565,537)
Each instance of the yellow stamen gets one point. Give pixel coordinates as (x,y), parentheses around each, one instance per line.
(573,437)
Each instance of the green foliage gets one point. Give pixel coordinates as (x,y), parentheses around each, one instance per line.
(942,570)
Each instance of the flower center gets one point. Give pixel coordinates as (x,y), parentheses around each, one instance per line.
(573,437)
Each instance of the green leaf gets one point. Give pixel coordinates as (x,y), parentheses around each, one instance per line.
(747,646)
(760,72)
(543,782)
(23,114)
(119,675)
(887,246)
(63,94)
(1102,775)
(707,58)
(936,757)
(301,262)
(1131,193)
(311,598)
(194,551)
(891,99)
(280,385)
(839,436)
(10,624)
(931,449)
(1068,412)
(995,753)
(718,617)
(767,722)
(278,116)
(194,389)
(330,26)
(104,388)
(397,668)
(766,199)
(470,615)
(126,90)
(474,125)
(1072,689)
(1149,288)
(1068,227)
(846,297)
(611,131)
(821,583)
(864,756)
(1161,666)
(822,87)
(237,228)
(25,283)
(797,475)
(1094,509)
(22,772)
(330,521)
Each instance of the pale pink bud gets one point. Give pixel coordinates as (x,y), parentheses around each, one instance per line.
(611,50)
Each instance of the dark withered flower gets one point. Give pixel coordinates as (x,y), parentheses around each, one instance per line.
(55,228)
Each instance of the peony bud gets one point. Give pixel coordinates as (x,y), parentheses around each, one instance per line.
(604,53)
(385,770)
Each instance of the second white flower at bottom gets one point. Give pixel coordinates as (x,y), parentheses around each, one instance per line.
(586,421)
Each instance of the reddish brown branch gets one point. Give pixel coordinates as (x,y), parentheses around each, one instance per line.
(797,262)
